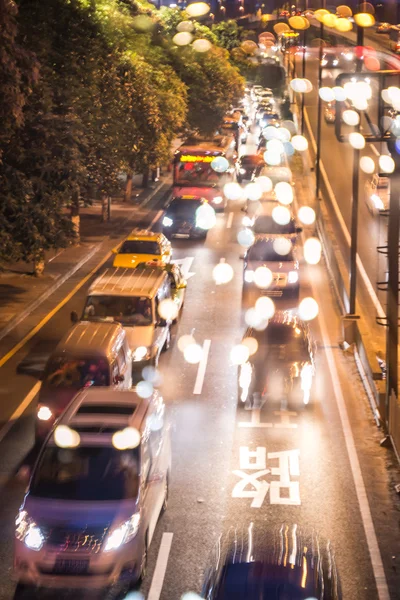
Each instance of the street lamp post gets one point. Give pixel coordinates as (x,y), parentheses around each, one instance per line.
(318,155)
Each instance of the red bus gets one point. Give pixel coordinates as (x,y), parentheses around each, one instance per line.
(194,176)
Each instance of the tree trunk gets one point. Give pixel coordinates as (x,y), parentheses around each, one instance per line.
(104,207)
(75,216)
(128,188)
(38,266)
(145,178)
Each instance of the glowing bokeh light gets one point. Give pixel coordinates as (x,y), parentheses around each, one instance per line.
(281,215)
(233,191)
(367,164)
(184,341)
(251,344)
(253,191)
(222,272)
(306,215)
(144,389)
(265,307)
(300,143)
(386,163)
(168,309)
(265,184)
(220,164)
(284,192)
(125,439)
(201,45)
(282,246)
(351,117)
(263,277)
(272,158)
(65,437)
(246,238)
(183,38)
(239,354)
(326,94)
(205,217)
(197,9)
(312,251)
(193,353)
(357,140)
(308,309)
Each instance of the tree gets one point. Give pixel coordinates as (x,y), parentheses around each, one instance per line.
(228,34)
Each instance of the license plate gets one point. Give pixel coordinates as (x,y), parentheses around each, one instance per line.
(76,567)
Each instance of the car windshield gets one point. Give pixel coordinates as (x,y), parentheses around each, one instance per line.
(86,473)
(127,310)
(264,251)
(251,160)
(139,247)
(229,126)
(283,342)
(266,224)
(64,372)
(184,208)
(196,173)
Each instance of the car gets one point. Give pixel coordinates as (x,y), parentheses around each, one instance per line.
(180,218)
(141,246)
(329,60)
(283,367)
(268,272)
(263,223)
(268,118)
(264,561)
(377,193)
(177,281)
(247,166)
(383,27)
(255,91)
(96,492)
(329,113)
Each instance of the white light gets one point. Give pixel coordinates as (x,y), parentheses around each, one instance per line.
(184,341)
(282,246)
(139,353)
(386,164)
(270,132)
(357,140)
(263,277)
(265,307)
(377,202)
(251,344)
(220,164)
(239,354)
(300,143)
(284,192)
(293,277)
(326,94)
(249,276)
(386,96)
(394,93)
(217,200)
(183,38)
(253,191)
(44,413)
(125,439)
(308,309)
(255,320)
(272,158)
(168,309)
(367,164)
(275,145)
(300,85)
(153,375)
(185,26)
(281,215)
(197,9)
(34,538)
(339,93)
(65,437)
(283,134)
(205,217)
(306,375)
(233,191)
(360,103)
(306,215)
(167,222)
(201,45)
(247,221)
(312,251)
(222,273)
(246,238)
(144,389)
(193,354)
(265,183)
(351,117)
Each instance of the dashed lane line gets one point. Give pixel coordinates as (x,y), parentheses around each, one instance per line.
(198,386)
(161,567)
(229,221)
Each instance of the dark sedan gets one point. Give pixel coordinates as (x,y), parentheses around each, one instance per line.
(283,367)
(180,218)
(280,563)
(248,166)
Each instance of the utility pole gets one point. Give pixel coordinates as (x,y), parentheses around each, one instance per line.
(318,156)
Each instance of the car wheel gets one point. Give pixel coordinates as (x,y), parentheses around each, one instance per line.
(166,494)
(167,342)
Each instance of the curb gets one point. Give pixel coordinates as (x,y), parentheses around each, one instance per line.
(58,283)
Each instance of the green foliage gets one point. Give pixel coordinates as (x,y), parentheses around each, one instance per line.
(228,34)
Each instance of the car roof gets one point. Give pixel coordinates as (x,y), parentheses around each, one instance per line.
(89,339)
(119,281)
(97,413)
(145,235)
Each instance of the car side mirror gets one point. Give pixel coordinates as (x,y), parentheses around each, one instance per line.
(74,316)
(162,323)
(181,285)
(119,379)
(299,229)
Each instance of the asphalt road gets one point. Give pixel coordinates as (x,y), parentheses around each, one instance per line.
(344,478)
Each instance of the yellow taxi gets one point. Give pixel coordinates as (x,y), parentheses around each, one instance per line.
(142,246)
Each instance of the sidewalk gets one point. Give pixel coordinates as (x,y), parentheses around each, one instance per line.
(21,292)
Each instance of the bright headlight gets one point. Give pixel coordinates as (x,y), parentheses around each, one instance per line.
(140,353)
(249,276)
(28,532)
(293,276)
(324,62)
(167,222)
(123,534)
(377,202)
(217,200)
(306,375)
(44,413)
(335,62)
(242,171)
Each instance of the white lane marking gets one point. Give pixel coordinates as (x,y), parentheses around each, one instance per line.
(185,264)
(198,386)
(229,221)
(365,511)
(374,149)
(161,567)
(158,215)
(20,410)
(363,273)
